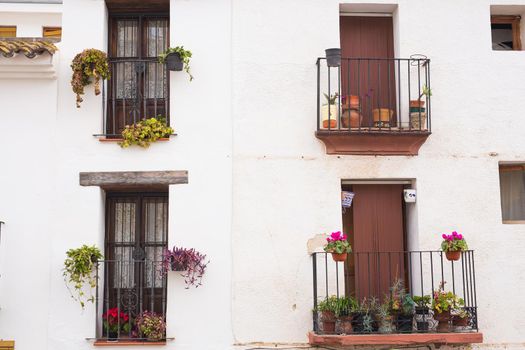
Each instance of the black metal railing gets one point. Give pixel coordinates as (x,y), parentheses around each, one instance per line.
(374,95)
(370,279)
(138,89)
(125,290)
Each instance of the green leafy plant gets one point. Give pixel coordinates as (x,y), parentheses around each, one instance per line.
(80,271)
(331,99)
(445,301)
(144,132)
(151,325)
(427,91)
(400,301)
(329,304)
(345,306)
(185,56)
(89,65)
(337,243)
(422,301)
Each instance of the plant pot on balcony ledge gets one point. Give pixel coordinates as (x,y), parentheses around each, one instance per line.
(328,322)
(443,319)
(333,57)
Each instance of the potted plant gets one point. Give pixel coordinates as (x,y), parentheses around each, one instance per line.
(418,116)
(338,246)
(190,262)
(423,304)
(453,245)
(364,316)
(382,117)
(460,317)
(385,318)
(115,322)
(89,66)
(80,271)
(327,310)
(345,306)
(329,111)
(151,326)
(177,59)
(333,57)
(144,132)
(442,304)
(402,307)
(351,117)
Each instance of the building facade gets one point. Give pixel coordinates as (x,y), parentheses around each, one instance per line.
(428,104)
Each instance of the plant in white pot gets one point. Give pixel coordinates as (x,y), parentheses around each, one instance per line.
(330,112)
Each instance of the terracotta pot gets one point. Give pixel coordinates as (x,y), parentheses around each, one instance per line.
(352,101)
(382,116)
(345,324)
(334,115)
(351,118)
(443,318)
(453,256)
(460,322)
(328,321)
(339,257)
(417,103)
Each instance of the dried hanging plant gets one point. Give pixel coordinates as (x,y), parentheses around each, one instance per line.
(88,66)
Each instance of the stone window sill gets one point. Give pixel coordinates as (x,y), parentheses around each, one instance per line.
(105,139)
(128,343)
(395,339)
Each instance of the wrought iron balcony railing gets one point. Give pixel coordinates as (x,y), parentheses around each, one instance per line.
(374,95)
(138,89)
(385,286)
(125,290)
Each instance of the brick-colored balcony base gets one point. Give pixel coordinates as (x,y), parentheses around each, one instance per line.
(127,343)
(7,344)
(394,339)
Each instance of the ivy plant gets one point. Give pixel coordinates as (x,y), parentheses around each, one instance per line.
(80,272)
(144,132)
(89,66)
(185,56)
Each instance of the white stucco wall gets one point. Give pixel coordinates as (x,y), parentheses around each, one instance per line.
(260,183)
(286,189)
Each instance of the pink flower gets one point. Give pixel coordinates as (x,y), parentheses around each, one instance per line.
(460,237)
(444,236)
(344,237)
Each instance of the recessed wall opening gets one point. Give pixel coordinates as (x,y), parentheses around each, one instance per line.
(377,222)
(506,27)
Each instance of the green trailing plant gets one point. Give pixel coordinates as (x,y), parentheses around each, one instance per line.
(185,56)
(80,272)
(91,65)
(144,132)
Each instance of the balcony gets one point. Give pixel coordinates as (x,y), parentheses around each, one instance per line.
(387,298)
(374,106)
(138,89)
(125,290)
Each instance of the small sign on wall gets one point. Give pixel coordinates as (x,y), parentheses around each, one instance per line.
(410,196)
(346,199)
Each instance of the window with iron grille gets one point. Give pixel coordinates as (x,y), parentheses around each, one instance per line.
(136,235)
(139,84)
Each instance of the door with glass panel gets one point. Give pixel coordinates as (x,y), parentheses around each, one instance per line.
(138,88)
(136,235)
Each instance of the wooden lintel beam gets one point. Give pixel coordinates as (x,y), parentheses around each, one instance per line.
(133,178)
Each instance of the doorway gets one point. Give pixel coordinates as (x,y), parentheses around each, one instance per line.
(368,68)
(375,224)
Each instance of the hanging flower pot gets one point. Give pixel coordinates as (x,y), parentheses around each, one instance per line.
(339,257)
(333,57)
(453,256)
(174,62)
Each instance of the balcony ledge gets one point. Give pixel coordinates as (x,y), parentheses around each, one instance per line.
(128,343)
(386,143)
(394,339)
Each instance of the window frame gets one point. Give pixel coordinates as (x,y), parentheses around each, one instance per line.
(513,20)
(51,28)
(503,168)
(7,27)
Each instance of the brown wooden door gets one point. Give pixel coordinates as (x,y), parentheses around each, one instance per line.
(378,238)
(368,41)
(138,88)
(136,235)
